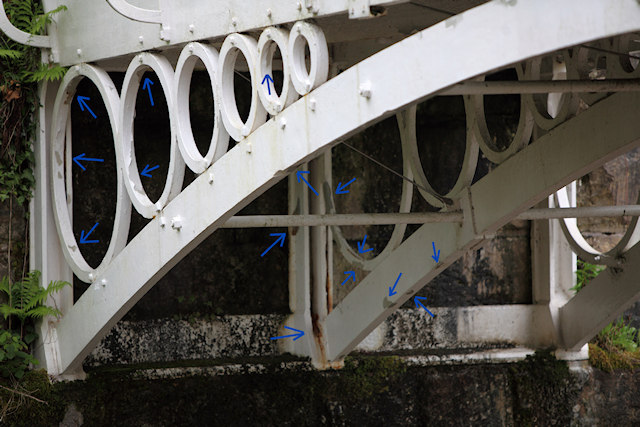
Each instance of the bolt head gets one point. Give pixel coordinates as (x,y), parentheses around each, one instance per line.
(234,21)
(312,104)
(210,178)
(269,13)
(79,52)
(299,6)
(192,28)
(283,123)
(140,39)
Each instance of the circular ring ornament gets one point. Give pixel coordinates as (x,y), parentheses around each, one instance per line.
(318,54)
(582,248)
(397,235)
(186,143)
(270,39)
(535,105)
(126,149)
(60,117)
(231,47)
(483,136)
(582,65)
(407,123)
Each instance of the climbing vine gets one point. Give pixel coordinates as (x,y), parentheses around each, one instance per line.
(21,69)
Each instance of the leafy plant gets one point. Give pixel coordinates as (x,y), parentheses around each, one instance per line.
(27,298)
(615,346)
(26,301)
(585,273)
(618,335)
(14,358)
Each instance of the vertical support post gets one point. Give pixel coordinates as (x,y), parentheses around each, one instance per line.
(299,272)
(553,271)
(45,252)
(321,259)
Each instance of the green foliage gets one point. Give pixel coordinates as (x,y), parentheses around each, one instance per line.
(585,273)
(14,358)
(27,298)
(26,301)
(21,68)
(615,346)
(618,336)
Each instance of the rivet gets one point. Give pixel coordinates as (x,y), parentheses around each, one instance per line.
(268,36)
(79,52)
(308,85)
(312,104)
(596,258)
(176,223)
(92,277)
(245,130)
(298,6)
(192,28)
(140,39)
(211,178)
(283,123)
(190,47)
(103,282)
(269,13)
(234,21)
(249,148)
(365,91)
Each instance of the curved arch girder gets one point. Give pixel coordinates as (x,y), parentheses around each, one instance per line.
(433,59)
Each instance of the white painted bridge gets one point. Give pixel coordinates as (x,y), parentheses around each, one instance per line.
(552,45)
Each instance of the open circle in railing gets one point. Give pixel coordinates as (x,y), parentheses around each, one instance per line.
(125,143)
(549,110)
(407,123)
(231,47)
(589,64)
(220,138)
(582,248)
(271,39)
(305,33)
(61,113)
(481,131)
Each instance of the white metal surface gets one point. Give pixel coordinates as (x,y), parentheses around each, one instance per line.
(381,85)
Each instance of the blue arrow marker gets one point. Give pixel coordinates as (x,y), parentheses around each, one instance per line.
(435,256)
(147,85)
(88,159)
(268,78)
(83,237)
(279,239)
(351,275)
(392,291)
(147,169)
(82,100)
(361,246)
(417,299)
(341,188)
(298,335)
(300,177)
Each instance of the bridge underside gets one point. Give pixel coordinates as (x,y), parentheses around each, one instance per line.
(357,73)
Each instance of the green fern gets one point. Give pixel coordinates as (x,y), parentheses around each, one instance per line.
(11,54)
(27,298)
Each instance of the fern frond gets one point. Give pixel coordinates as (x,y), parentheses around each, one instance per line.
(42,311)
(44,72)
(10,53)
(4,285)
(7,311)
(40,296)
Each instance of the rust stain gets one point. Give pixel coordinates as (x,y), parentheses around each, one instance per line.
(318,336)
